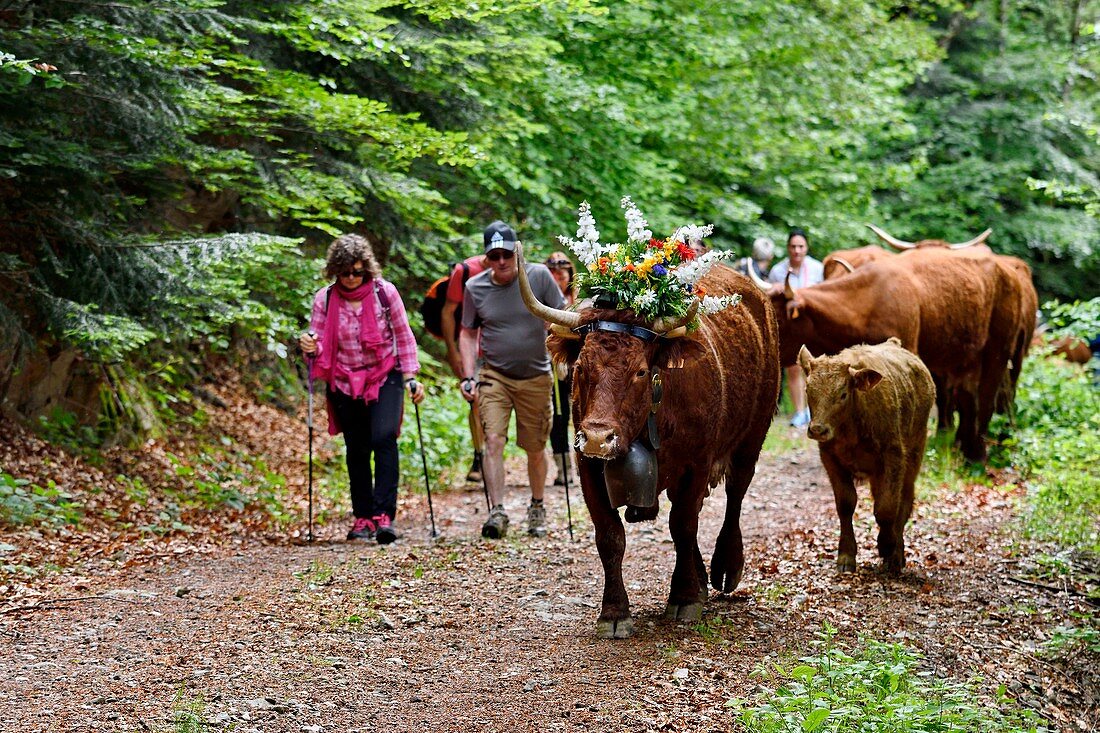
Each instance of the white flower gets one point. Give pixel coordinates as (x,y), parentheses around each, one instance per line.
(691,232)
(635,223)
(641,300)
(692,271)
(711,304)
(586,224)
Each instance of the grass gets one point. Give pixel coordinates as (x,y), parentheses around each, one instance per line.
(874,687)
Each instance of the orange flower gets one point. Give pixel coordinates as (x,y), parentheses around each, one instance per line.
(629,267)
(603,262)
(686,252)
(700,291)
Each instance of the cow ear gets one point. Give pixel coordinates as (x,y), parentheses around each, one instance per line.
(679,352)
(563,350)
(805,359)
(864,379)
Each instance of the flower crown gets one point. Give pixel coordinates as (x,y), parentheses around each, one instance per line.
(654,278)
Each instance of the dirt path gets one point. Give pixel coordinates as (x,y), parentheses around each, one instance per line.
(462,634)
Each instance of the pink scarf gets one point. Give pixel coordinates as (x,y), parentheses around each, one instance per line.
(365,382)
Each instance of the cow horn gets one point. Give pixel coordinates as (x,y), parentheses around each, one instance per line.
(665,326)
(894,242)
(844,263)
(751,272)
(976,240)
(788,291)
(558,316)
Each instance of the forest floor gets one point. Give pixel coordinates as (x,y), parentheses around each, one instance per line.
(238,630)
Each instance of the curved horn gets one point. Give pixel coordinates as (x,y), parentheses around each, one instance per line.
(844,263)
(894,242)
(976,240)
(557,316)
(751,272)
(788,293)
(664,325)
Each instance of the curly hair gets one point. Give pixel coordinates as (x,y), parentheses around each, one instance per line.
(345,251)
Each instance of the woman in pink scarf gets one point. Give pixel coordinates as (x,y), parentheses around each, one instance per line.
(361,345)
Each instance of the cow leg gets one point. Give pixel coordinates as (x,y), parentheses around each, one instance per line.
(728,561)
(968,436)
(893,498)
(685,600)
(614,621)
(945,407)
(844,495)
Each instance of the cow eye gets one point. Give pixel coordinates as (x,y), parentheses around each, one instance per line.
(641,373)
(843,395)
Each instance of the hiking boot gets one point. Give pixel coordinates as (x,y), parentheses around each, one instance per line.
(474,475)
(363,529)
(801,419)
(536,520)
(496,526)
(386,533)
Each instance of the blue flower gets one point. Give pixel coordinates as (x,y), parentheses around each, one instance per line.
(660,270)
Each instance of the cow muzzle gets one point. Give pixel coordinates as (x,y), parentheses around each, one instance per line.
(817,431)
(597,441)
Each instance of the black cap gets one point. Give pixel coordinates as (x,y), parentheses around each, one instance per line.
(499,235)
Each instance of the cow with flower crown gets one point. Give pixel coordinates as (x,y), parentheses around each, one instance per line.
(675,381)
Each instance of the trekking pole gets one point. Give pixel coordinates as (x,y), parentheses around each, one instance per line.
(423,459)
(309,427)
(564,455)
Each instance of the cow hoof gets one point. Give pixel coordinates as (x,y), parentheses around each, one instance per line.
(615,629)
(845,564)
(687,612)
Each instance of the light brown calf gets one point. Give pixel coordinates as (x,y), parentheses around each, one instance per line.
(869,410)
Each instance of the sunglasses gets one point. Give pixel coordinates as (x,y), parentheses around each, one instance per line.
(500,254)
(354,273)
(560,265)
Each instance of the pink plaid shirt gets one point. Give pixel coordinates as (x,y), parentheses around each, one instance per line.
(351,355)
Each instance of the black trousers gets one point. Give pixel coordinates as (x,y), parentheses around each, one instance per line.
(559,428)
(371,429)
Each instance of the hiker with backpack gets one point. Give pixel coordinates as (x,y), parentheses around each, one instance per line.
(445,296)
(361,345)
(506,368)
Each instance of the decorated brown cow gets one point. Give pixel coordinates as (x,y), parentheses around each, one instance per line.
(660,408)
(869,410)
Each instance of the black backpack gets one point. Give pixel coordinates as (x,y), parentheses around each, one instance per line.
(431,309)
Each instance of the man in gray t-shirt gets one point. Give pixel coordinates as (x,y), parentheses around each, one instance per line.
(514,371)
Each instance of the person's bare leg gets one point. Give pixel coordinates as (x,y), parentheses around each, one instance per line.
(796,383)
(536,472)
(493,468)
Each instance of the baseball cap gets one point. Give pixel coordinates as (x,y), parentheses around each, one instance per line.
(499,235)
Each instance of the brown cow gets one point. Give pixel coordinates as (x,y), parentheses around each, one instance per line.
(957,313)
(1023,294)
(869,407)
(842,261)
(1071,349)
(714,394)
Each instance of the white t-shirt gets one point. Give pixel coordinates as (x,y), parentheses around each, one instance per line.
(811,272)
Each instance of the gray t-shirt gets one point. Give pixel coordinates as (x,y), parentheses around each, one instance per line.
(512,340)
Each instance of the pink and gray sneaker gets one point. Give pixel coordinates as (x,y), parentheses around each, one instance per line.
(363,529)
(386,533)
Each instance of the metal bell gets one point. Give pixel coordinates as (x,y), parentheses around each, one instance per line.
(632,479)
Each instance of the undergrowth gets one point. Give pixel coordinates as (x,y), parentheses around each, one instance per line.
(1054,446)
(873,687)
